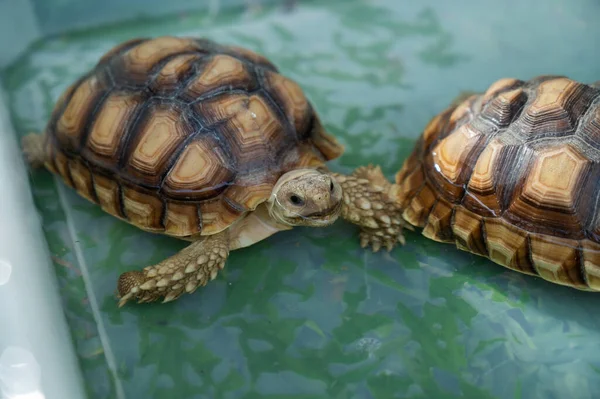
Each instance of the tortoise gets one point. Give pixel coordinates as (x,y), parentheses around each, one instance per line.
(201,141)
(512,174)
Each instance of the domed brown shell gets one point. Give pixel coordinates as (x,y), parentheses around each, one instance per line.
(182,135)
(512,174)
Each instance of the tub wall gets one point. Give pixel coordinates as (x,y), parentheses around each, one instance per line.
(33,19)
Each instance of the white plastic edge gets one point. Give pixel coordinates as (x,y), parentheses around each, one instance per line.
(37,356)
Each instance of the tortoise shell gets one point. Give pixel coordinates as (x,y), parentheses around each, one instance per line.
(182,136)
(512,174)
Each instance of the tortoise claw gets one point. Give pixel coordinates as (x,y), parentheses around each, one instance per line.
(376,240)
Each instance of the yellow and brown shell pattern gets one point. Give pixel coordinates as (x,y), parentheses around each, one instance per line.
(513,175)
(182,136)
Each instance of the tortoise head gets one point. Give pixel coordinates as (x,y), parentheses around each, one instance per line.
(306,197)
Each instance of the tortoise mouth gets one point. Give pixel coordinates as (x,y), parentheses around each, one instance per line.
(332,210)
(322,218)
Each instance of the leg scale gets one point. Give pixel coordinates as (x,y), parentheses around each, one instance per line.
(192,267)
(369,204)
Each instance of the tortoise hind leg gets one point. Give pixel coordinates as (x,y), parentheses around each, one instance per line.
(33,149)
(370,203)
(192,267)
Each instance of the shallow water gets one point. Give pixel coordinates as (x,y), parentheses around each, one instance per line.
(307,313)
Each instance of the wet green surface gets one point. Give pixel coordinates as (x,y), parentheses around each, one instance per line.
(307,313)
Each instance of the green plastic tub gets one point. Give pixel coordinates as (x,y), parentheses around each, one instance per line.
(306,313)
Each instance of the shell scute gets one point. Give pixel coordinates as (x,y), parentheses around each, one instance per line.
(501,85)
(438,225)
(468,231)
(252,124)
(221,73)
(460,111)
(452,160)
(144,209)
(61,164)
(419,208)
(135,65)
(410,184)
(110,126)
(82,179)
(202,171)
(557,106)
(247,195)
(481,196)
(557,261)
(504,108)
(289,94)
(305,155)
(174,72)
(62,102)
(182,219)
(430,135)
(217,215)
(259,125)
(508,245)
(120,48)
(71,124)
(108,193)
(220,109)
(552,193)
(156,139)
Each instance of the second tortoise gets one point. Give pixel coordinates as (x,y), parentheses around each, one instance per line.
(512,175)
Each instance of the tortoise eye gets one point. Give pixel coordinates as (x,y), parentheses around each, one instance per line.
(294,199)
(331,186)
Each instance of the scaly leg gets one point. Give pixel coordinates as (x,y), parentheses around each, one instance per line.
(33,149)
(369,202)
(192,267)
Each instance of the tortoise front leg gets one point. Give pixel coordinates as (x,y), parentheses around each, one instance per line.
(369,202)
(192,267)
